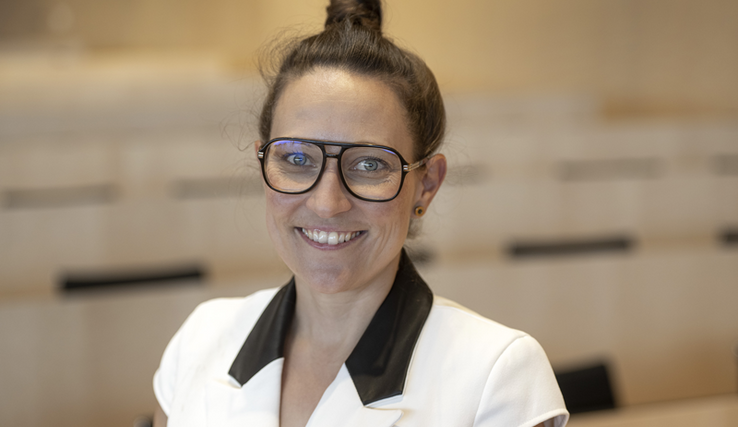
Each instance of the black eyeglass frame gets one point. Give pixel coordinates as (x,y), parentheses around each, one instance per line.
(406,167)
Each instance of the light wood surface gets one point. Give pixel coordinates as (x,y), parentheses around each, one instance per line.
(714,411)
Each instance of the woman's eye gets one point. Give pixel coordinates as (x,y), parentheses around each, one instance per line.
(298,159)
(369,165)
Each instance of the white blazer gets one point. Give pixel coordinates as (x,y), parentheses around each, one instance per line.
(423,361)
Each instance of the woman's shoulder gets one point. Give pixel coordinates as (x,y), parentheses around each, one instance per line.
(451,312)
(468,331)
(222,314)
(503,372)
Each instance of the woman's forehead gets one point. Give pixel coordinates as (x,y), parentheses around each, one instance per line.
(335,105)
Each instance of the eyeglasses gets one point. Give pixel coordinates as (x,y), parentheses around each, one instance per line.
(374,173)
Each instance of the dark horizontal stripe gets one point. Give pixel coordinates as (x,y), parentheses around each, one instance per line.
(725,164)
(729,237)
(131,277)
(570,247)
(59,197)
(609,169)
(208,188)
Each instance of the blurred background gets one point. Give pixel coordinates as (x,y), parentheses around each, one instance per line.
(592,199)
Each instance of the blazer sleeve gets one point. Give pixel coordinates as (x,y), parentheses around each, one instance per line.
(166,377)
(521,390)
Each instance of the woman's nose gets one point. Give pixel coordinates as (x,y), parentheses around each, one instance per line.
(329,197)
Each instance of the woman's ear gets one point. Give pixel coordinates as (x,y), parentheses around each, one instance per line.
(430,182)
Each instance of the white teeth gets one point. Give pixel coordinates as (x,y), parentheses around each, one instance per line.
(332,238)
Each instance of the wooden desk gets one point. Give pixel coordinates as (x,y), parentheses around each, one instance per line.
(714,411)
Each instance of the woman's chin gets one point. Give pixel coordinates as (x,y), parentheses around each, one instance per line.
(327,280)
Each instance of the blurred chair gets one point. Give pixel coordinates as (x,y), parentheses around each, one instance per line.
(586,388)
(143,421)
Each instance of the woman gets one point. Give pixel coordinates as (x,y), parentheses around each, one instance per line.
(349,132)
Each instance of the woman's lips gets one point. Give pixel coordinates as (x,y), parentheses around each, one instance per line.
(331,238)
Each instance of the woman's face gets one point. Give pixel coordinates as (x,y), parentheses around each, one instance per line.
(334,105)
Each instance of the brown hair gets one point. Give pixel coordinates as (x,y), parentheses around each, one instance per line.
(352,41)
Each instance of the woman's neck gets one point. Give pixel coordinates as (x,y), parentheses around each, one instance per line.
(324,331)
(339,319)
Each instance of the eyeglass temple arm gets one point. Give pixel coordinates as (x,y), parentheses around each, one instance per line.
(415,165)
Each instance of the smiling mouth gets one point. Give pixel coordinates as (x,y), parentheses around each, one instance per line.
(330,237)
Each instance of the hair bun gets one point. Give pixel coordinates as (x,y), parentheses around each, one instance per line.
(367,13)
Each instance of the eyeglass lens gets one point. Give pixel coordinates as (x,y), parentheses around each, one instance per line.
(369,172)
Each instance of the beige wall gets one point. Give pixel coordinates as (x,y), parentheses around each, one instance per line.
(142,96)
(640,56)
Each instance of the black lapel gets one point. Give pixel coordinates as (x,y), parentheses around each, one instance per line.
(266,340)
(379,363)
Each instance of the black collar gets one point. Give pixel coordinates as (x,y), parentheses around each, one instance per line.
(378,364)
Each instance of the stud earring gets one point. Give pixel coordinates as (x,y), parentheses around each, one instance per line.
(419,211)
